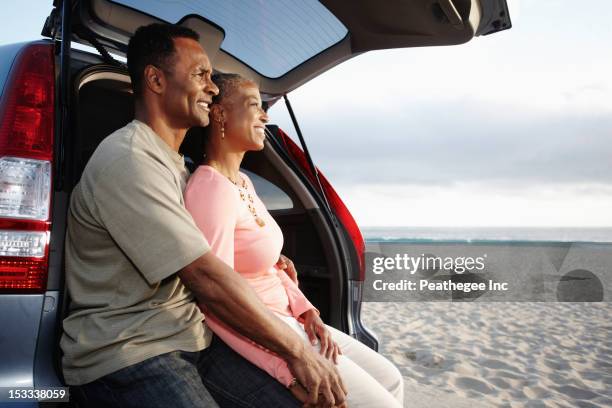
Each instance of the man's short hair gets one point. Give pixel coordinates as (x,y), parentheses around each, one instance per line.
(153,45)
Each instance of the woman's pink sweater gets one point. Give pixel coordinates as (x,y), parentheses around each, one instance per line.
(252,251)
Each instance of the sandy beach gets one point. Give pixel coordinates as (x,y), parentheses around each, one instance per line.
(507,354)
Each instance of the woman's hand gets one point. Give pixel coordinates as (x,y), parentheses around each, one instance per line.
(287,265)
(315,328)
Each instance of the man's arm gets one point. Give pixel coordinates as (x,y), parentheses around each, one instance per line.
(227,295)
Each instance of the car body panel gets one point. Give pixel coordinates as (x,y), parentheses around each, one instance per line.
(7,56)
(20,320)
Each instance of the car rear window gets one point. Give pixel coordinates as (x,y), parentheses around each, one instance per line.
(272,37)
(7,56)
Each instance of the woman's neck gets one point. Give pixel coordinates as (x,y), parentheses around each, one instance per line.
(227,164)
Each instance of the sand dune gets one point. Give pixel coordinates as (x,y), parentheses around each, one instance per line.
(498,354)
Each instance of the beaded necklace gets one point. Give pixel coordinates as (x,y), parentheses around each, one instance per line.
(246,196)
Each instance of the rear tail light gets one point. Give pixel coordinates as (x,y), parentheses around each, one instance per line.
(25,244)
(26,153)
(25,188)
(336,204)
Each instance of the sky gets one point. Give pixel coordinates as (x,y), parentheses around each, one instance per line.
(511,129)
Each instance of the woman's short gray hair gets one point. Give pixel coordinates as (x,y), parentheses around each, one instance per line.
(226,84)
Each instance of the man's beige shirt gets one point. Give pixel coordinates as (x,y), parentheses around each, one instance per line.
(128,234)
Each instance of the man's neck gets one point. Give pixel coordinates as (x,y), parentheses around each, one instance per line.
(173,136)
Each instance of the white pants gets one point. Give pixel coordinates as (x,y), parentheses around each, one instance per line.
(371,379)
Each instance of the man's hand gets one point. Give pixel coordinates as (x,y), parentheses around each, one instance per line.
(301,395)
(315,328)
(287,265)
(319,378)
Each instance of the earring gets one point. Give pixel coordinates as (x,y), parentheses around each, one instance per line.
(222,131)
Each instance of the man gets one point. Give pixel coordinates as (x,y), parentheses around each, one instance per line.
(135,259)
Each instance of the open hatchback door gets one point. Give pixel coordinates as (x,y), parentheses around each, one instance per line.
(282,44)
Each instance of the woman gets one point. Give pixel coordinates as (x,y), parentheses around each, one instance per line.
(224,205)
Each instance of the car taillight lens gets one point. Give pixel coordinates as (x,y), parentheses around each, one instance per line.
(26,154)
(24,244)
(25,188)
(336,204)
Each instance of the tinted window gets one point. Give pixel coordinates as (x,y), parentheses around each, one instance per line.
(272,37)
(272,196)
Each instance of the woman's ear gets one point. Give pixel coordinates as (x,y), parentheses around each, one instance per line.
(217,113)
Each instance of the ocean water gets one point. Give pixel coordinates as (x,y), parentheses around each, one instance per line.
(486,234)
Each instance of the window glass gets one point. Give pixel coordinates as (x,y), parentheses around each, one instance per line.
(272,37)
(272,196)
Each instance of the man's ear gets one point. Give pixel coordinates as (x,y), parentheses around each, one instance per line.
(154,79)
